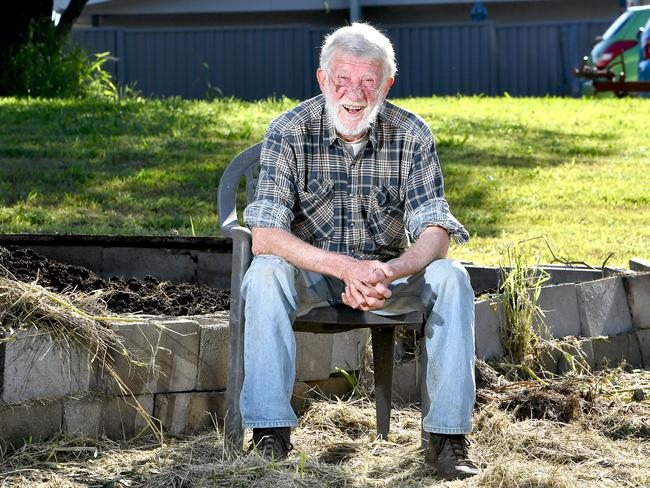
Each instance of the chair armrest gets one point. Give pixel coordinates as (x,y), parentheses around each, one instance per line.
(238,234)
(242,255)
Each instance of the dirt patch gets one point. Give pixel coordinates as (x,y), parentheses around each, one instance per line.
(551,403)
(149,295)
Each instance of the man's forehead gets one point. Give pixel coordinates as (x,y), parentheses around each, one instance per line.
(343,61)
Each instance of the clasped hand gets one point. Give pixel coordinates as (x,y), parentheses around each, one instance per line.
(366,285)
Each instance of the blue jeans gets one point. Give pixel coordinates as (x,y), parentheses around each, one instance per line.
(276,292)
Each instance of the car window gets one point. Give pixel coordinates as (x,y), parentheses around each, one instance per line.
(616,26)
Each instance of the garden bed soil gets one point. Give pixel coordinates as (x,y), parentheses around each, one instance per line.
(148,295)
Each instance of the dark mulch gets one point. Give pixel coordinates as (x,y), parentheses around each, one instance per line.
(149,295)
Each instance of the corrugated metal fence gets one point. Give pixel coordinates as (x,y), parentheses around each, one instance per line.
(253,63)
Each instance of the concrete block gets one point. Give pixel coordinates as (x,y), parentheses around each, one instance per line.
(213,357)
(121,420)
(172,345)
(83,417)
(610,352)
(488,315)
(406,386)
(313,356)
(559,275)
(36,366)
(637,289)
(330,388)
(90,257)
(638,264)
(348,349)
(560,306)
(216,318)
(176,265)
(634,357)
(643,336)
(550,359)
(34,420)
(603,308)
(483,278)
(582,352)
(213,269)
(186,413)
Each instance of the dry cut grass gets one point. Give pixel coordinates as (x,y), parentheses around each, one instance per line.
(602,442)
(72,320)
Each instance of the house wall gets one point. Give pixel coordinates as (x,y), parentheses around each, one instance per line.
(533,11)
(250,13)
(257,19)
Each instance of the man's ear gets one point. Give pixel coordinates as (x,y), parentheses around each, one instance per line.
(388,84)
(321,76)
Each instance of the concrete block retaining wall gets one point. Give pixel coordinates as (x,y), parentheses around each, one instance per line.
(185,390)
(46,388)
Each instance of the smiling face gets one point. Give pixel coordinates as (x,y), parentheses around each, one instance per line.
(354,90)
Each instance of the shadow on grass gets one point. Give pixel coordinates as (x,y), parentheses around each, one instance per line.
(154,164)
(517,145)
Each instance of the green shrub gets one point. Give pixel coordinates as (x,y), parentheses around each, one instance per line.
(48,67)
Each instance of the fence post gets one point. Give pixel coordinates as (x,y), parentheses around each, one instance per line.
(120,65)
(493,53)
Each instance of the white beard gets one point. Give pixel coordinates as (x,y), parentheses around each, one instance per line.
(333,106)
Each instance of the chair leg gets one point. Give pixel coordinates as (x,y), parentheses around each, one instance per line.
(233,430)
(383,339)
(234,433)
(425,403)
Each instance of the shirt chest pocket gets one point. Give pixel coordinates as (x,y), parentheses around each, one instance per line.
(314,211)
(386,217)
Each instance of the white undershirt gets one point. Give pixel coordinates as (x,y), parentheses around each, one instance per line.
(354,147)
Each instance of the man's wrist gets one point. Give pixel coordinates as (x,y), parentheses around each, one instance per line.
(339,264)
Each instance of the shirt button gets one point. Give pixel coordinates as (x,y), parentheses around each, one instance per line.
(351,224)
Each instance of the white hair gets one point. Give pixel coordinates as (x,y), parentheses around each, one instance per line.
(360,40)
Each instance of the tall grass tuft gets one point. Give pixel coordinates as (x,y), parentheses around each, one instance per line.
(521,336)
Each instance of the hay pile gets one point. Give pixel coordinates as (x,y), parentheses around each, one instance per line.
(72,320)
(579,430)
(604,443)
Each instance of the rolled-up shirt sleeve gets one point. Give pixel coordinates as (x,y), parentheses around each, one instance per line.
(425,196)
(276,190)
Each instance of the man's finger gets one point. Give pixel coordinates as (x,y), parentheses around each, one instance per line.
(371,299)
(367,291)
(348,301)
(356,294)
(383,290)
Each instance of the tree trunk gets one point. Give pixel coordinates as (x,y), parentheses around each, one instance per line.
(13,27)
(69,17)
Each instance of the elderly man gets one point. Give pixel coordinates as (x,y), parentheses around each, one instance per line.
(350,209)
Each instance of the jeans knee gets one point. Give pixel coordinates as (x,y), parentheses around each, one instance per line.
(268,274)
(448,273)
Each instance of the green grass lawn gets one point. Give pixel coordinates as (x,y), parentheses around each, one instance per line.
(574,171)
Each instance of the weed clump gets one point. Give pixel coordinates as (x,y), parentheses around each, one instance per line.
(519,293)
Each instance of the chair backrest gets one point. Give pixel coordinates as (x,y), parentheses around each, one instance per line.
(246,164)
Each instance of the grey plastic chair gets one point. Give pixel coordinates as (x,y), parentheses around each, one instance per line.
(321,320)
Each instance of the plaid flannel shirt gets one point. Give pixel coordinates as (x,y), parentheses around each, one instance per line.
(368,207)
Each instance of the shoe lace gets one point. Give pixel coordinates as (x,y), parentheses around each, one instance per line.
(270,439)
(460,447)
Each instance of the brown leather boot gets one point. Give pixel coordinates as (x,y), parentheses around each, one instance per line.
(449,455)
